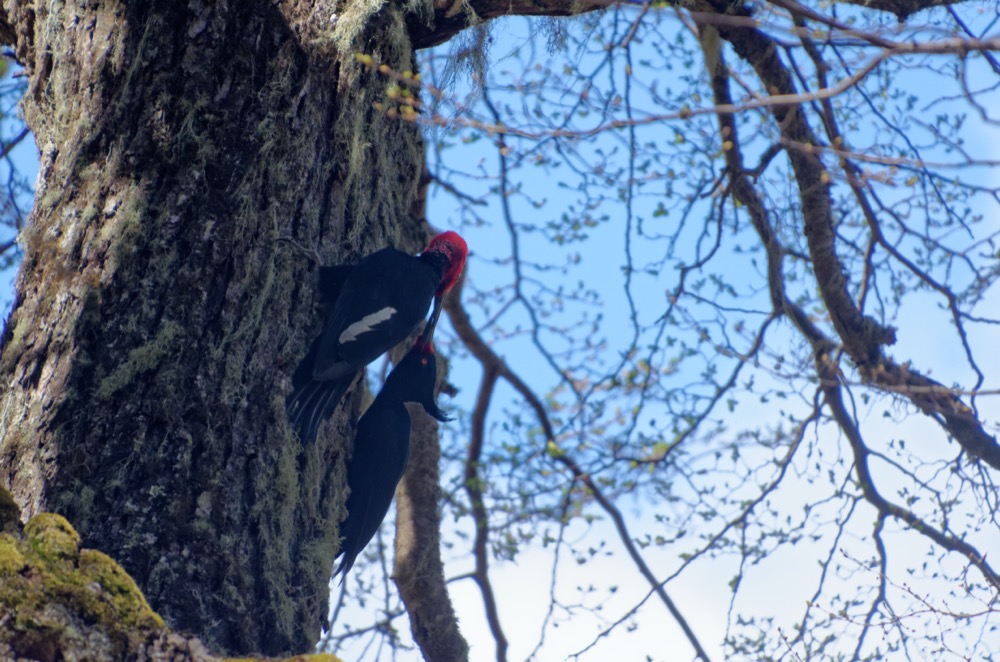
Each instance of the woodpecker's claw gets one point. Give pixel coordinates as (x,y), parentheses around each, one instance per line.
(309,253)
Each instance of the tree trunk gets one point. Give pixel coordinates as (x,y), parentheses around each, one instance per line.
(158,317)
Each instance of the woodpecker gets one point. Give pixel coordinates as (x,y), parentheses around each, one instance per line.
(382,447)
(371,307)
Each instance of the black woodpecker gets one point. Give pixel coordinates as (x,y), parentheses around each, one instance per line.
(372,307)
(382,447)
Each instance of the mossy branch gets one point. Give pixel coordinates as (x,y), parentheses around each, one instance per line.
(58,601)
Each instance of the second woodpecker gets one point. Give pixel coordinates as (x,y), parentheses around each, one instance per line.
(382,447)
(372,307)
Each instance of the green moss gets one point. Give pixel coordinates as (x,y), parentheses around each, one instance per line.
(51,537)
(352,22)
(68,598)
(424,10)
(50,199)
(133,209)
(277,559)
(123,598)
(90,214)
(90,172)
(11,559)
(141,359)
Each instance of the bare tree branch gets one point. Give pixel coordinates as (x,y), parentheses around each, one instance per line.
(473,487)
(418,569)
(863,337)
(452,16)
(481,350)
(903,9)
(823,348)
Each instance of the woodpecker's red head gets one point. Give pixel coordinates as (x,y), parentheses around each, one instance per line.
(451,245)
(454,248)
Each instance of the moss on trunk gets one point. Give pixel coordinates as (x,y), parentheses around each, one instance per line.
(158,317)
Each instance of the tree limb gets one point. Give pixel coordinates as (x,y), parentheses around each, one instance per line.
(418,569)
(474,489)
(903,9)
(862,336)
(453,16)
(490,360)
(824,349)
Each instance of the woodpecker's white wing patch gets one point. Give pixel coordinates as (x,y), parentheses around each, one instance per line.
(366,324)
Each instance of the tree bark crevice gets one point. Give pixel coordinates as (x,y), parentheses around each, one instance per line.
(158,317)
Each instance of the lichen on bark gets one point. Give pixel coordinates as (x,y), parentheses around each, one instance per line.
(57,599)
(158,317)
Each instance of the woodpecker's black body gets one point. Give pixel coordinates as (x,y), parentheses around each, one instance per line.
(372,307)
(382,447)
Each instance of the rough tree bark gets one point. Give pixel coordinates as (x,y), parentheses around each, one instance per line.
(158,317)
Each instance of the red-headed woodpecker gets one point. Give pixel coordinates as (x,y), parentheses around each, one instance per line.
(372,307)
(382,447)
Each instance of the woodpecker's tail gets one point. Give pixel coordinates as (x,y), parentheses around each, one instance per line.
(312,401)
(346,563)
(309,406)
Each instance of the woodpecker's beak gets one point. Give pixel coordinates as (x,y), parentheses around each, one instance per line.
(428,333)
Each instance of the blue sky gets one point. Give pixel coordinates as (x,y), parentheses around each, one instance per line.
(779,585)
